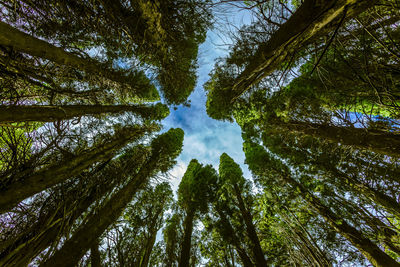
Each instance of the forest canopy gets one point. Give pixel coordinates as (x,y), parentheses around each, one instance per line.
(86,154)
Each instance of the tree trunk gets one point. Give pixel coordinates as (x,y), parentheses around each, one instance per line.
(313,19)
(302,237)
(251,230)
(26,43)
(40,236)
(55,113)
(58,172)
(373,140)
(152,239)
(187,239)
(235,241)
(49,226)
(384,232)
(388,203)
(75,247)
(95,258)
(371,251)
(149,248)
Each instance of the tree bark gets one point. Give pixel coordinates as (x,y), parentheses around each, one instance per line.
(45,232)
(152,239)
(95,259)
(26,43)
(58,172)
(251,230)
(313,19)
(55,223)
(372,140)
(302,237)
(55,113)
(371,251)
(75,247)
(235,241)
(149,248)
(385,234)
(388,203)
(187,239)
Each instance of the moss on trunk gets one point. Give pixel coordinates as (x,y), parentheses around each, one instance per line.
(11,195)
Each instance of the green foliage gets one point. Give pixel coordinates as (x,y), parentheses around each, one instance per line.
(196,188)
(305,177)
(172,235)
(258,159)
(160,112)
(144,89)
(229,170)
(169,146)
(139,226)
(219,94)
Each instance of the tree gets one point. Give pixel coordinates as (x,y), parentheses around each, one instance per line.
(131,240)
(54,113)
(233,181)
(371,251)
(164,34)
(342,170)
(311,20)
(66,203)
(194,193)
(25,43)
(221,225)
(58,172)
(171,234)
(164,150)
(95,258)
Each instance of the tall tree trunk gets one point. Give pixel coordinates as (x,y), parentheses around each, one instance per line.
(55,113)
(26,43)
(303,238)
(152,239)
(371,251)
(58,172)
(226,260)
(45,232)
(95,259)
(187,239)
(313,19)
(57,222)
(231,255)
(235,240)
(251,230)
(149,248)
(385,234)
(388,203)
(75,247)
(373,140)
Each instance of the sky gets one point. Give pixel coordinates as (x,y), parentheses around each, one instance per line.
(205,138)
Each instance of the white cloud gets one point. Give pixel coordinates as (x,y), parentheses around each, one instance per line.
(205,139)
(176,174)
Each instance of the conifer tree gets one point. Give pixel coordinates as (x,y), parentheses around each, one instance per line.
(194,193)
(54,113)
(164,149)
(42,179)
(260,161)
(233,181)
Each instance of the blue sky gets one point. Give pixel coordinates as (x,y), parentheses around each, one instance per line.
(205,138)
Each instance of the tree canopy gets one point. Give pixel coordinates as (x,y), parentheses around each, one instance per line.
(88,164)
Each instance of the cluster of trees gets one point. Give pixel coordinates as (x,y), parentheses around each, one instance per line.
(313,84)
(78,124)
